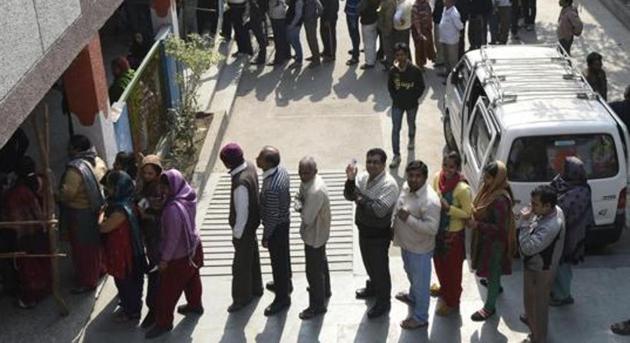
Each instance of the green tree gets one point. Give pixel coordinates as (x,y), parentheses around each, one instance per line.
(196,55)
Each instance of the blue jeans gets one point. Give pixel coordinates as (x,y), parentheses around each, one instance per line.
(355,37)
(418,268)
(293,33)
(397,114)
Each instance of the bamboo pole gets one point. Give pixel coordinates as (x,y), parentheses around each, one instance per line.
(16,225)
(43,139)
(23,254)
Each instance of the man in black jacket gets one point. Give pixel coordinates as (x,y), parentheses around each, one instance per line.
(328,29)
(406,85)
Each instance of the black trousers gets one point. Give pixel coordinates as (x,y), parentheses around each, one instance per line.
(226,24)
(516,14)
(152,289)
(317,275)
(242,34)
(256,25)
(529,11)
(280,261)
(374,252)
(328,31)
(246,275)
(280,42)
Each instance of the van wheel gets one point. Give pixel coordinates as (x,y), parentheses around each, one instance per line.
(448,134)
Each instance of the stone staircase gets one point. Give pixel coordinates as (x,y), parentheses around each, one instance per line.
(216,234)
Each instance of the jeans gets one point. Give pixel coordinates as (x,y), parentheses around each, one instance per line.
(562,283)
(418,268)
(369,43)
(397,114)
(355,37)
(293,33)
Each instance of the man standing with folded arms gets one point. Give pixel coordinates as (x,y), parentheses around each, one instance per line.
(244,219)
(374,193)
(313,204)
(275,199)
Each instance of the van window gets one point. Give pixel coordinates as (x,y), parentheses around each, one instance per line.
(460,78)
(480,137)
(539,159)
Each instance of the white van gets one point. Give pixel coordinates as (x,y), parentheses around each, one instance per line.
(530,107)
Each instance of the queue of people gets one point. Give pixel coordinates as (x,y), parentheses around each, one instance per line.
(134,220)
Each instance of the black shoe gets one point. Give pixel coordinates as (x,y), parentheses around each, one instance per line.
(311,313)
(484,283)
(187,309)
(276,63)
(270,286)
(237,306)
(276,307)
(367,66)
(378,310)
(364,293)
(352,62)
(328,292)
(157,331)
(148,321)
(259,62)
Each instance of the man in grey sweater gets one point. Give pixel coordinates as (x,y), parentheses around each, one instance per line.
(541,239)
(375,193)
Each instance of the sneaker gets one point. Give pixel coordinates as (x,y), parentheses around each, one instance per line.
(395,162)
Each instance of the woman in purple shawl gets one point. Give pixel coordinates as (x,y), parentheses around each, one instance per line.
(180,251)
(574,198)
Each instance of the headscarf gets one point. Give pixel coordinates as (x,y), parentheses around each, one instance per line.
(486,197)
(183,203)
(121,198)
(574,198)
(152,159)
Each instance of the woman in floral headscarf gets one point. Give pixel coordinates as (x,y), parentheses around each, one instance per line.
(493,233)
(124,251)
(574,198)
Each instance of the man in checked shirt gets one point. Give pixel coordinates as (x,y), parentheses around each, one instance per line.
(275,199)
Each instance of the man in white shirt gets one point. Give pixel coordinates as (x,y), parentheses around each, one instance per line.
(450,28)
(402,21)
(244,219)
(313,204)
(415,222)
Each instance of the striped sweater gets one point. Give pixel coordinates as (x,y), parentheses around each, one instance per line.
(275,199)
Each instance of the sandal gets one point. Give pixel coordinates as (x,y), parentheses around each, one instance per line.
(621,328)
(435,290)
(405,297)
(482,315)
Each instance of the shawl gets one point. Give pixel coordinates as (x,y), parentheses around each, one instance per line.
(447,185)
(183,203)
(574,198)
(122,198)
(92,186)
(486,197)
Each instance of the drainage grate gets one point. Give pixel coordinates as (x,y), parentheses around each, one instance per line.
(216,234)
